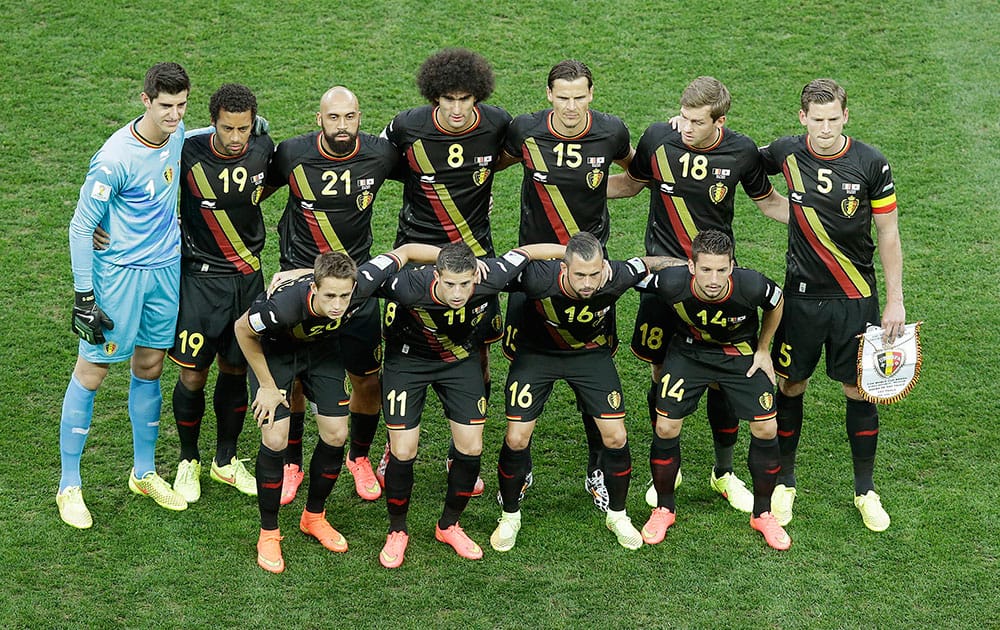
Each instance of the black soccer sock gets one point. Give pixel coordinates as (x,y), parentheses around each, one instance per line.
(862,433)
(664,462)
(651,403)
(764,462)
(189,408)
(296,427)
(595,444)
(512,468)
(363,427)
(230,402)
(725,429)
(789,410)
(323,472)
(461,481)
(398,488)
(269,479)
(617,468)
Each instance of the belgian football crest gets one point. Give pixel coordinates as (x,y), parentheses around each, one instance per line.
(481,405)
(717,192)
(110,348)
(255,196)
(481,175)
(364,200)
(886,374)
(594,178)
(169,174)
(766,401)
(615,399)
(849,206)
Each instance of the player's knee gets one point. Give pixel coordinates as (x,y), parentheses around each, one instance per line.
(765,430)
(613,436)
(90,375)
(274,436)
(403,444)
(792,388)
(332,430)
(193,380)
(667,428)
(517,440)
(147,363)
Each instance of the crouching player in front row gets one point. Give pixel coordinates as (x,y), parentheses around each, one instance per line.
(716,341)
(294,334)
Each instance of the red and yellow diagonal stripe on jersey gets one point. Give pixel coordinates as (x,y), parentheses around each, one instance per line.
(677,211)
(449,351)
(229,241)
(850,280)
(741,348)
(556,208)
(562,338)
(322,232)
(454,224)
(299,184)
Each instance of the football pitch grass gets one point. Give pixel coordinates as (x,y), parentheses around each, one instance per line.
(922,84)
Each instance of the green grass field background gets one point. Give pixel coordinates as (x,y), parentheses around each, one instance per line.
(922,79)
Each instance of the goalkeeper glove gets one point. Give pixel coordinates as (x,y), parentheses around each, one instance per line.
(88,318)
(260,126)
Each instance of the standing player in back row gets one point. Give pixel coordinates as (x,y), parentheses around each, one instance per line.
(222,230)
(333,176)
(836,186)
(692,172)
(566,151)
(451,151)
(126,295)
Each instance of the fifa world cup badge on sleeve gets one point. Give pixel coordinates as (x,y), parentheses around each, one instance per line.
(886,374)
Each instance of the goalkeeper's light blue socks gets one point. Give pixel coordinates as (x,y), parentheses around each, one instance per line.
(77,413)
(144,403)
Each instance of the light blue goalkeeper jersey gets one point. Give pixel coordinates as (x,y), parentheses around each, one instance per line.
(131,192)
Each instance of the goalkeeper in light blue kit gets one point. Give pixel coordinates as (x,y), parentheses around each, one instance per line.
(127,295)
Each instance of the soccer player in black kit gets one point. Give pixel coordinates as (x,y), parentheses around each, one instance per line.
(567,151)
(692,168)
(222,235)
(837,187)
(333,176)
(715,341)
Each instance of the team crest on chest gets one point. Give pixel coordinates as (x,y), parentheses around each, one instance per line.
(256,195)
(594,178)
(169,174)
(717,192)
(481,175)
(615,399)
(766,401)
(364,199)
(849,206)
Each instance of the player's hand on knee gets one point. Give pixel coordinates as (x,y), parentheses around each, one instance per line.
(266,403)
(89,321)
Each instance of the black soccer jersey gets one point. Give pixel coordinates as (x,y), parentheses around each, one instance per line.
(831,199)
(552,321)
(727,325)
(286,319)
(693,189)
(222,228)
(330,197)
(564,189)
(447,177)
(420,325)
